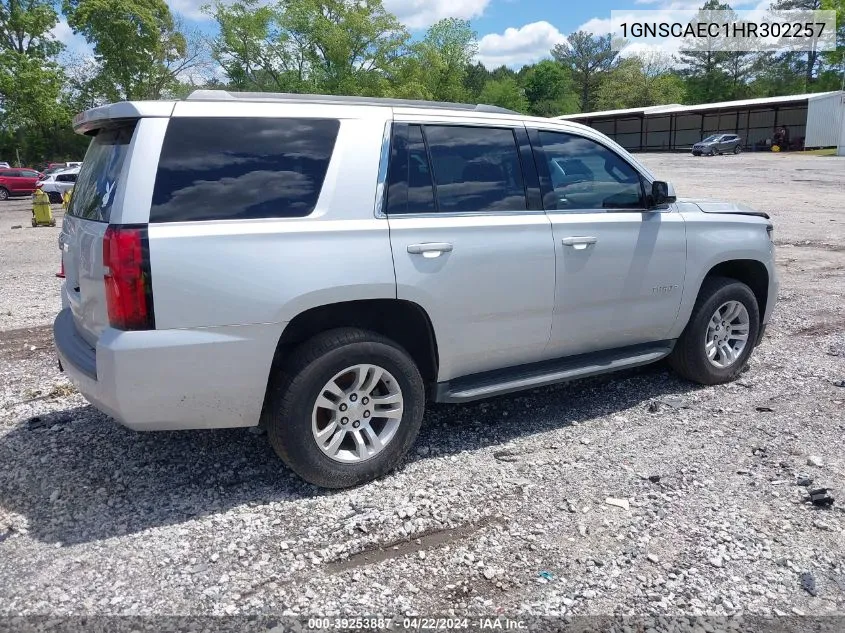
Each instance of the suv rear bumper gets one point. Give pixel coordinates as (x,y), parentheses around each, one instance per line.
(171,379)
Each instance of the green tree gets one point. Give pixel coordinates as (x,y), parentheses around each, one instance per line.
(703,61)
(548,89)
(641,81)
(254,51)
(348,47)
(25,28)
(34,119)
(587,57)
(833,77)
(504,93)
(137,44)
(443,57)
(328,46)
(476,75)
(436,67)
(503,72)
(806,64)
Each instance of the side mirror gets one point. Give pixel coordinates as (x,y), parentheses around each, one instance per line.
(662,193)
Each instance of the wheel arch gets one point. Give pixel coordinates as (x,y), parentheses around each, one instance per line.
(402,321)
(753,273)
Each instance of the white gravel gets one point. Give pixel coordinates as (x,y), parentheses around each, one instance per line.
(504,507)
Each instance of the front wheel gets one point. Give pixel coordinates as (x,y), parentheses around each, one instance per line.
(720,334)
(345,409)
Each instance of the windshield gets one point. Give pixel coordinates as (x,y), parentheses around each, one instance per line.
(93,193)
(710,139)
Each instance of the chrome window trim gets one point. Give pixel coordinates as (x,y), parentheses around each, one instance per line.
(384,161)
(468,214)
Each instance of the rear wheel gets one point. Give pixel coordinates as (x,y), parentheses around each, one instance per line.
(55,197)
(4,193)
(720,334)
(737,149)
(345,409)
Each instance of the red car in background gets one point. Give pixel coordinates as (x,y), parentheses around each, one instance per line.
(17,181)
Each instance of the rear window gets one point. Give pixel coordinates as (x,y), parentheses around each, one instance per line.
(241,168)
(93,194)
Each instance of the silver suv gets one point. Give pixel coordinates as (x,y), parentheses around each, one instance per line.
(323,266)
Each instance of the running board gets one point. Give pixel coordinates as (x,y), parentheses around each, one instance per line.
(502,381)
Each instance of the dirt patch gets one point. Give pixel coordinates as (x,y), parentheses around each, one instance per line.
(428,540)
(836,248)
(26,342)
(823,328)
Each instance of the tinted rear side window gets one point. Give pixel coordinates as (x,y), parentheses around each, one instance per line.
(241,168)
(475,169)
(93,194)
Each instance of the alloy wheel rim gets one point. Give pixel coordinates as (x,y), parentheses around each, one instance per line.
(727,334)
(357,413)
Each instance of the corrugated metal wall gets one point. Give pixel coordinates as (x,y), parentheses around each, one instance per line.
(825,120)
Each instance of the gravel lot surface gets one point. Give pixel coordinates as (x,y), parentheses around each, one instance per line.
(636,493)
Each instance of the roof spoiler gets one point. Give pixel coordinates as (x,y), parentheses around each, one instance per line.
(95,118)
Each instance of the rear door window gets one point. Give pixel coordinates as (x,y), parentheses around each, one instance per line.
(241,168)
(476,169)
(93,194)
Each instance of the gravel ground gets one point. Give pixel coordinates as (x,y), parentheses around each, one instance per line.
(631,494)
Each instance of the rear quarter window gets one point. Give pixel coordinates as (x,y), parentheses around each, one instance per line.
(241,168)
(93,194)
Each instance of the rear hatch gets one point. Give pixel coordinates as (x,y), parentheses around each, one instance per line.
(85,225)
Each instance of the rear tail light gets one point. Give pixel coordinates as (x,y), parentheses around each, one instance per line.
(61,273)
(129,297)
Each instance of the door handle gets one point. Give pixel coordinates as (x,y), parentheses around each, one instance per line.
(579,243)
(430,249)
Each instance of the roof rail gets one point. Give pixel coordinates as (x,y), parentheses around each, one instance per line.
(225,95)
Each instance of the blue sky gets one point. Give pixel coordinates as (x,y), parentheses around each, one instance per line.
(511,32)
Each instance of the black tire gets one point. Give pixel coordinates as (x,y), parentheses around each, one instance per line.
(711,153)
(54,197)
(737,149)
(296,385)
(689,358)
(4,193)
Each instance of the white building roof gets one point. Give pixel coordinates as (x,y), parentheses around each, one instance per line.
(678,108)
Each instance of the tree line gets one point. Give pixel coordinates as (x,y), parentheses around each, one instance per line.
(142,51)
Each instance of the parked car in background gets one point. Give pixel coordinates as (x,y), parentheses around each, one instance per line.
(718,144)
(53,170)
(4,164)
(57,183)
(454,252)
(18,182)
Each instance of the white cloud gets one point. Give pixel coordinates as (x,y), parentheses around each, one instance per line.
(419,14)
(694,4)
(415,14)
(62,32)
(191,9)
(516,47)
(74,44)
(597,26)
